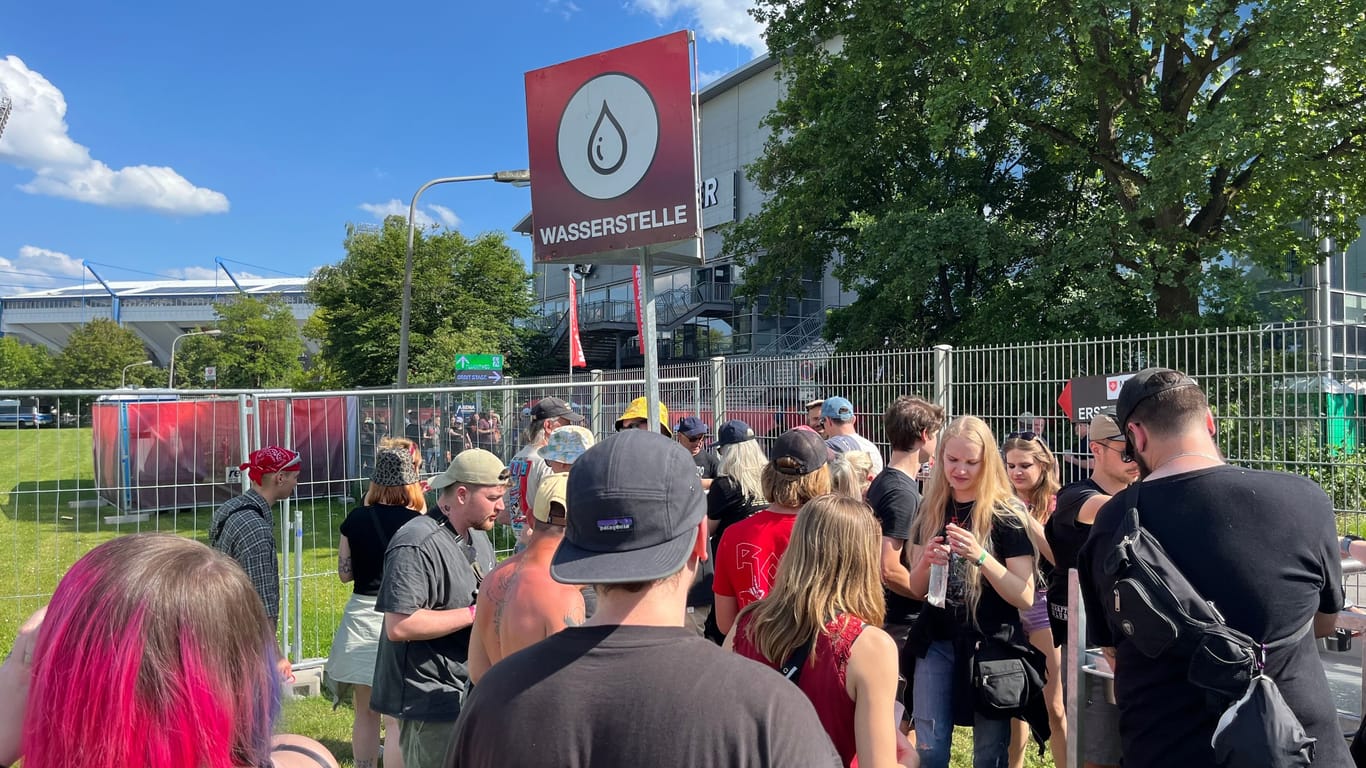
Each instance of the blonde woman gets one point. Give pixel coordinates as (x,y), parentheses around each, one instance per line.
(971,524)
(393,498)
(1033,473)
(827,599)
(851,472)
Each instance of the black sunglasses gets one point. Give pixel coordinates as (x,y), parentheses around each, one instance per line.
(1026,436)
(1123,452)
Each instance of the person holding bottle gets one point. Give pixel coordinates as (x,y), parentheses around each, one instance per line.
(971,526)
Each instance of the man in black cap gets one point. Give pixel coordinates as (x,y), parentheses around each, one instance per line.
(527,467)
(1260,546)
(691,433)
(624,688)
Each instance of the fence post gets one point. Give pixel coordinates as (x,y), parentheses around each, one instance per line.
(595,376)
(943,377)
(718,391)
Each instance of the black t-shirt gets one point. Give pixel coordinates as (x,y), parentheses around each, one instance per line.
(637,696)
(708,462)
(1261,546)
(727,504)
(1065,534)
(993,612)
(895,499)
(368,545)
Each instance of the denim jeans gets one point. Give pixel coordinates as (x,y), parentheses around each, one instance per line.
(934,681)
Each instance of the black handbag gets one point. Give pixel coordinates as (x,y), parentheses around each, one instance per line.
(1006,677)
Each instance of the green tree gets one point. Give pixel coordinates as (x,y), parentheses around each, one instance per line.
(95,355)
(24,366)
(467,293)
(260,347)
(978,157)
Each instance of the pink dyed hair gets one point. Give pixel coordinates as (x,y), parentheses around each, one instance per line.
(155,653)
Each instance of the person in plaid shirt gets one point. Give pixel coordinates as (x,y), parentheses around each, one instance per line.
(242,528)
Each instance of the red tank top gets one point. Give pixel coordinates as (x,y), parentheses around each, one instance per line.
(823,683)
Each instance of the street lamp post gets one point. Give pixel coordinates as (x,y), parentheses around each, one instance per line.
(123,380)
(170,380)
(519,178)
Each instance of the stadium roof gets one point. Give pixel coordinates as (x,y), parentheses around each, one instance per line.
(171,288)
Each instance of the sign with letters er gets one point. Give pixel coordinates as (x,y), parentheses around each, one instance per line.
(611,141)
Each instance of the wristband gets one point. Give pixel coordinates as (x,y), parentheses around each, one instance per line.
(471,611)
(1345,544)
(980,559)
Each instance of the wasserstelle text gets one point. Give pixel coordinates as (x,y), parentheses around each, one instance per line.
(614,225)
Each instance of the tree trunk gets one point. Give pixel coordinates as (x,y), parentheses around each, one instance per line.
(1176,289)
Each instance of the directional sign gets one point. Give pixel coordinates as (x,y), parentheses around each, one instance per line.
(1084,397)
(210,373)
(489,377)
(478,363)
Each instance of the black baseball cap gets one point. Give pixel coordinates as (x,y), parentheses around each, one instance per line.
(732,432)
(799,451)
(1146,384)
(634,505)
(692,427)
(554,407)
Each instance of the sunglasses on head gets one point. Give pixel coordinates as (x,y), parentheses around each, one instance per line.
(1026,436)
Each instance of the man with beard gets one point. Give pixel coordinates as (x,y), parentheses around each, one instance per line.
(1261,547)
(432,572)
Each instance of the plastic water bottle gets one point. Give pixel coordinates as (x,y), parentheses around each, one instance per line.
(939,584)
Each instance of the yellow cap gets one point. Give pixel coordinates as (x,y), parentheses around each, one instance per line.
(551,491)
(637,410)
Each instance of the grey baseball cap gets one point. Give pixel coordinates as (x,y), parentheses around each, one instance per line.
(634,505)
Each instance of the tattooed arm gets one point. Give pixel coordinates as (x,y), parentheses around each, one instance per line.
(344,571)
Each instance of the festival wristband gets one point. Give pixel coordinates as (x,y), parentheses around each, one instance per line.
(980,559)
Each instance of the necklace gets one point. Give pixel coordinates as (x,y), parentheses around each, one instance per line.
(1185,454)
(961,508)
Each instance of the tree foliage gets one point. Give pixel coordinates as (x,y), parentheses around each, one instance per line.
(24,366)
(260,347)
(95,355)
(466,294)
(972,168)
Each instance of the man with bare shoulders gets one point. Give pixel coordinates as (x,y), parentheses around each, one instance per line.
(519,604)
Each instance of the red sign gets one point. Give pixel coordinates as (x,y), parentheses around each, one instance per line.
(611,141)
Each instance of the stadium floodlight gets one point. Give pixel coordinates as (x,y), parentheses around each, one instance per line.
(170,380)
(6,106)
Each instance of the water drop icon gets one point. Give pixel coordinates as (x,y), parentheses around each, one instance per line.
(606,144)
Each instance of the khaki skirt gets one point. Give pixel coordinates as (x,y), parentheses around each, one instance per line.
(355,644)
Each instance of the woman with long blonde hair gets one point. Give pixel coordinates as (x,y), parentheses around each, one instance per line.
(1033,472)
(827,599)
(971,524)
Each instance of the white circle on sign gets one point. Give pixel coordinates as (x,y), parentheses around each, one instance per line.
(608,135)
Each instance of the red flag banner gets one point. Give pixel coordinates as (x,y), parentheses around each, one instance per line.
(640,316)
(576,359)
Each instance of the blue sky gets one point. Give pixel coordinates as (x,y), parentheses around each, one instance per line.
(154,137)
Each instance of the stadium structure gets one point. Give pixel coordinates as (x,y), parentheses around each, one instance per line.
(156,311)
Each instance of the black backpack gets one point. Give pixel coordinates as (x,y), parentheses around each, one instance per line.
(1161,613)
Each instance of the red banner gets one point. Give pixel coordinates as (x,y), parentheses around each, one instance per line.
(640,316)
(576,359)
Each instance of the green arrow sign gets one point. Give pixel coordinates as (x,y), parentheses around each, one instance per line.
(478,362)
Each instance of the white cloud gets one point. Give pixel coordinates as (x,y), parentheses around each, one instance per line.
(705,78)
(36,139)
(205,273)
(38,268)
(445,215)
(718,20)
(425,219)
(565,8)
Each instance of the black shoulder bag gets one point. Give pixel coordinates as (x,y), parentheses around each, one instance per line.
(1160,612)
(792,668)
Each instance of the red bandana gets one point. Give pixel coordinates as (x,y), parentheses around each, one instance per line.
(270,460)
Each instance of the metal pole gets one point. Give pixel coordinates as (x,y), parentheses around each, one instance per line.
(718,391)
(943,372)
(405,312)
(647,290)
(595,376)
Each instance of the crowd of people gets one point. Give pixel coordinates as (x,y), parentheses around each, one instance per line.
(854,608)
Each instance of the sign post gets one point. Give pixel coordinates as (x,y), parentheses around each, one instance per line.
(612,142)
